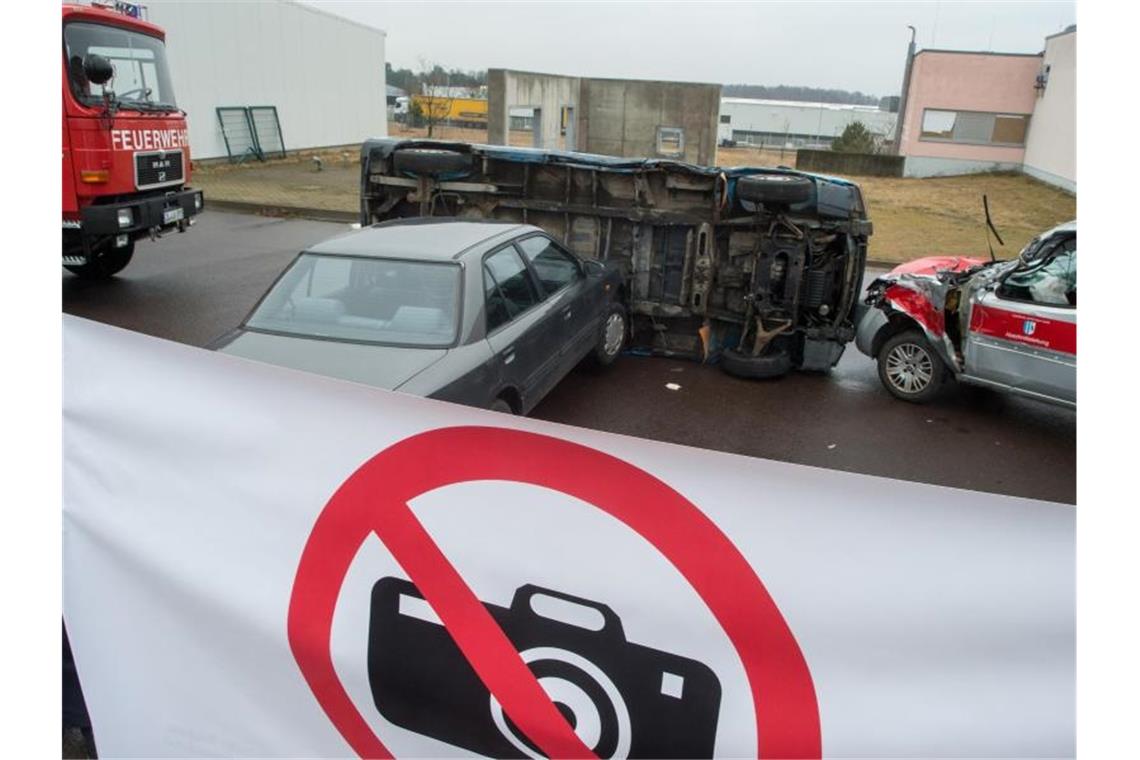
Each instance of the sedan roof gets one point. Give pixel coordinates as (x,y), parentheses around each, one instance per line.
(424,238)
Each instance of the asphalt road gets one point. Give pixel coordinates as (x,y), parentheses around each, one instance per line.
(193,287)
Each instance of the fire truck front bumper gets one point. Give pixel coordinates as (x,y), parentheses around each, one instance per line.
(138,217)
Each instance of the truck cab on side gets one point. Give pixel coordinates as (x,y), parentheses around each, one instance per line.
(126,153)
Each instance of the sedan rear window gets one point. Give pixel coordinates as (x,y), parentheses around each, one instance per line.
(389,301)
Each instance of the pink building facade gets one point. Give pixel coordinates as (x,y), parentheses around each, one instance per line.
(968,112)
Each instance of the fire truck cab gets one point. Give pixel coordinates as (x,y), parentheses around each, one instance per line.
(126,153)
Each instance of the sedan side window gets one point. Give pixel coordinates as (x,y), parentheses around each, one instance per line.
(555,268)
(514,291)
(1053,282)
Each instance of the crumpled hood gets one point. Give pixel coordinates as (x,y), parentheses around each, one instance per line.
(386,367)
(935,264)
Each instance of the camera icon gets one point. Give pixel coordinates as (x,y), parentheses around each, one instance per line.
(622,699)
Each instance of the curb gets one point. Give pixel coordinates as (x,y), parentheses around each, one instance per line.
(275,209)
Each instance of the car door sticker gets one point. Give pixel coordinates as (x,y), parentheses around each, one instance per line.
(1026,329)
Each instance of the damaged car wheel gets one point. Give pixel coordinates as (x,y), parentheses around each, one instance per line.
(775,188)
(768,365)
(431,163)
(910,368)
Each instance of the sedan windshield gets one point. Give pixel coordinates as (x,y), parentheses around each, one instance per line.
(142,78)
(370,300)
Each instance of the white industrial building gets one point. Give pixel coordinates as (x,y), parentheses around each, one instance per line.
(795,124)
(324,73)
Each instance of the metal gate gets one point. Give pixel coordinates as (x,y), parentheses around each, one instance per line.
(251,131)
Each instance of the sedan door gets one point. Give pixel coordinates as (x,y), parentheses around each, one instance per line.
(565,284)
(1023,334)
(522,329)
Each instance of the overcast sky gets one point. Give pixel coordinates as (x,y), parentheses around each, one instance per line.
(847,45)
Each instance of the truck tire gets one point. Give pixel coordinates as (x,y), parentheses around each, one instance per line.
(910,368)
(104,264)
(429,162)
(769,365)
(774,188)
(500,405)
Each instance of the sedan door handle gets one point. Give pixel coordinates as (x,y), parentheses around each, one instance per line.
(567,314)
(509,355)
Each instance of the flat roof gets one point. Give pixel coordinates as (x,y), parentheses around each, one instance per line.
(978,52)
(426,238)
(816,105)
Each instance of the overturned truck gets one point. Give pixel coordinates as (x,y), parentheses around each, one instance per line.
(759,268)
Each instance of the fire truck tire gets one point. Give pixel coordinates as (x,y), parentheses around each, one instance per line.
(774,188)
(431,163)
(765,366)
(105,265)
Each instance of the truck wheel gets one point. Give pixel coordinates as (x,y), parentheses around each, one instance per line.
(611,336)
(431,163)
(104,264)
(501,406)
(769,365)
(910,368)
(774,188)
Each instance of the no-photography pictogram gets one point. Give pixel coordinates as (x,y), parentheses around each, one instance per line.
(541,688)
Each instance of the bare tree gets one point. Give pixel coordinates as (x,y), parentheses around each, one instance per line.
(435,94)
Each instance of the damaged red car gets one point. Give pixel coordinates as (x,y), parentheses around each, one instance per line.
(1006,325)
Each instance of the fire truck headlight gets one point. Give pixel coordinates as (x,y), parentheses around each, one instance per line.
(126,217)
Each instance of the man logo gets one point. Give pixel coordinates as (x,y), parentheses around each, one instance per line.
(1028,327)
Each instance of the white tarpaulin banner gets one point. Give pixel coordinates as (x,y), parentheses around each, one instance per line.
(266,563)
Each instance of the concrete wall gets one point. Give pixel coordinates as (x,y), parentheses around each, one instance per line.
(324,73)
(616,117)
(545,93)
(954,81)
(926,166)
(1051,147)
(621,117)
(854,164)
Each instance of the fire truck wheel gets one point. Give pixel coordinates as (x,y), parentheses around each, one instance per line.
(431,163)
(106,264)
(774,188)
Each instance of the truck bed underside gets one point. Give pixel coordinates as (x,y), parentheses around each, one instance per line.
(693,256)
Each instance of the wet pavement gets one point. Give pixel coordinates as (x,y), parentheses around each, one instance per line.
(193,287)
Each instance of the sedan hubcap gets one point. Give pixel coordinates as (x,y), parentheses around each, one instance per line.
(909,368)
(615,331)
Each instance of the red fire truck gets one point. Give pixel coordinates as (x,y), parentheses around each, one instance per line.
(126,154)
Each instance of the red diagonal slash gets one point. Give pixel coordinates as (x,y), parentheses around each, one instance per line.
(375,499)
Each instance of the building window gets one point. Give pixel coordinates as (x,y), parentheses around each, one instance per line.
(974,127)
(670,141)
(725,118)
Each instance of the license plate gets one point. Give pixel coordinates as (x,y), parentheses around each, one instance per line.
(172,215)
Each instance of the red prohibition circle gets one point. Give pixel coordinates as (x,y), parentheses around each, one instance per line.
(374,500)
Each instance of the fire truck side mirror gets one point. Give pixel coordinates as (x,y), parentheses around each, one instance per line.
(98,69)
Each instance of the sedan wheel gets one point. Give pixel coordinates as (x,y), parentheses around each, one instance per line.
(612,337)
(909,367)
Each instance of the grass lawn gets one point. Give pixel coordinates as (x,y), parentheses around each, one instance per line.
(943,215)
(912,217)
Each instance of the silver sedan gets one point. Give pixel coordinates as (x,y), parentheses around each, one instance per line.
(487,314)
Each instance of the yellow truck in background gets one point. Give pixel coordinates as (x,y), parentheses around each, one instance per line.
(460,112)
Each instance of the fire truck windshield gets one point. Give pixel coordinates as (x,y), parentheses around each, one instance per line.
(142,78)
